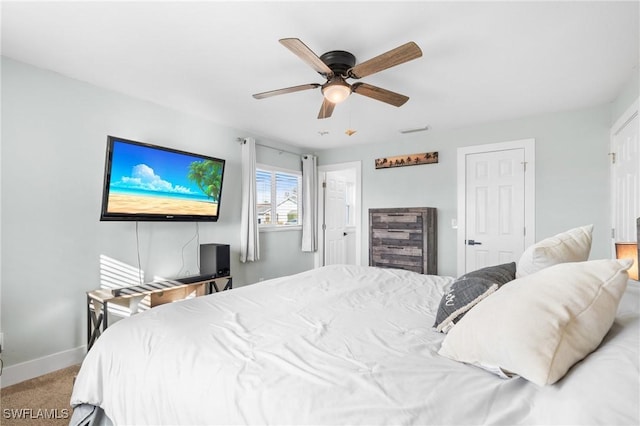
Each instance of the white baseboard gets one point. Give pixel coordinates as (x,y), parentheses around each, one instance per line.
(37,367)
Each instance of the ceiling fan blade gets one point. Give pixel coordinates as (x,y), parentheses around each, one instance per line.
(303,52)
(326,109)
(286,90)
(379,94)
(393,57)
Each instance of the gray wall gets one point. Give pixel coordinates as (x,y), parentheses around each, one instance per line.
(54,133)
(628,94)
(572,174)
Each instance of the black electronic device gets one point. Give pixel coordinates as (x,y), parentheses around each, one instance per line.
(144,182)
(215,260)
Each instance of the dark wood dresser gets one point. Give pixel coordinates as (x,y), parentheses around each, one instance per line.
(404,238)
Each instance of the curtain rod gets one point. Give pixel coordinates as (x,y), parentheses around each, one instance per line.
(241,140)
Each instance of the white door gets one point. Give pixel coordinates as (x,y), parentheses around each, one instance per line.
(495,204)
(339,214)
(625,178)
(335,208)
(495,208)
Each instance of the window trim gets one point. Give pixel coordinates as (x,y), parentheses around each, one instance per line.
(276,227)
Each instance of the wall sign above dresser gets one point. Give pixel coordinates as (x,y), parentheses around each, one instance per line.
(407,160)
(404,238)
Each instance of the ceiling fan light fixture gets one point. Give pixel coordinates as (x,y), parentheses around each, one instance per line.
(336,90)
(336,66)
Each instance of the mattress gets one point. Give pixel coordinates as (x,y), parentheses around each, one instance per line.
(336,345)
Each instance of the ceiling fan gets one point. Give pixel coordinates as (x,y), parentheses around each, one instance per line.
(338,65)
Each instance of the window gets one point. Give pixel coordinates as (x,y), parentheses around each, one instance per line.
(277,197)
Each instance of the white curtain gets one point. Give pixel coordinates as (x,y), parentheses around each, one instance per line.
(249,235)
(309,203)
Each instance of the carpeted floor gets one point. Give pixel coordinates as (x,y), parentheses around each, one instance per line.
(40,401)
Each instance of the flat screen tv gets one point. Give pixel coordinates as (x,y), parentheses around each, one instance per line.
(144,182)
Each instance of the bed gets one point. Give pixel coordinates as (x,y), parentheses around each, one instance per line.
(342,345)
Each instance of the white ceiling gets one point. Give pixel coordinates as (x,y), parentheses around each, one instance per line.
(482,61)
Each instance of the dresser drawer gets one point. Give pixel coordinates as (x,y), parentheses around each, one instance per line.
(409,258)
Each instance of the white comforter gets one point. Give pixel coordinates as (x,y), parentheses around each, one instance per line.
(336,345)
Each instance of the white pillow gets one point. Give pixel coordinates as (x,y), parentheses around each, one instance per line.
(538,326)
(573,245)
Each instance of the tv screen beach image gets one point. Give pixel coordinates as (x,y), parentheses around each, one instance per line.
(149,180)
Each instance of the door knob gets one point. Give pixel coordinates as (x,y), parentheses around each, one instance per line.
(474,243)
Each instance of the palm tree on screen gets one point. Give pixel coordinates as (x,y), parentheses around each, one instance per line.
(206,174)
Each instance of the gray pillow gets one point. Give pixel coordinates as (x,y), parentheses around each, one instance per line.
(469,290)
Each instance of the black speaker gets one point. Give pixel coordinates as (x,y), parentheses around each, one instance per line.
(214,260)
